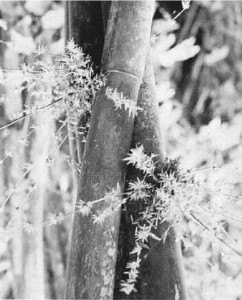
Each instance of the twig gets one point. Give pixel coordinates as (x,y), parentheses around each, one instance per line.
(202,169)
(178,15)
(31,113)
(217,237)
(62,142)
(13,191)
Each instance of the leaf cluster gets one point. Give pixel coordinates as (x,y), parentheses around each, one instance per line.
(69,81)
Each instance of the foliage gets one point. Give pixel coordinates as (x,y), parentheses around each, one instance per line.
(202,119)
(69,83)
(169,195)
(203,203)
(121,101)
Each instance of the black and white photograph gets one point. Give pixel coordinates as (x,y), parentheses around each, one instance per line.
(121,149)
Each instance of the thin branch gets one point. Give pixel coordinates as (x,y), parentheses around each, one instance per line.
(62,142)
(213,167)
(230,217)
(217,237)
(29,114)
(178,15)
(13,191)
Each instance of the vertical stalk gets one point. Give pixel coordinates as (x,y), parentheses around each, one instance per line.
(161,273)
(34,269)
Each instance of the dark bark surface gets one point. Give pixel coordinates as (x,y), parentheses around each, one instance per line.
(84,19)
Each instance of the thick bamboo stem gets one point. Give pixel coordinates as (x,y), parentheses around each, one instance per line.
(161,274)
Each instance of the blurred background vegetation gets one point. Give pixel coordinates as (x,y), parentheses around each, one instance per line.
(197,60)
